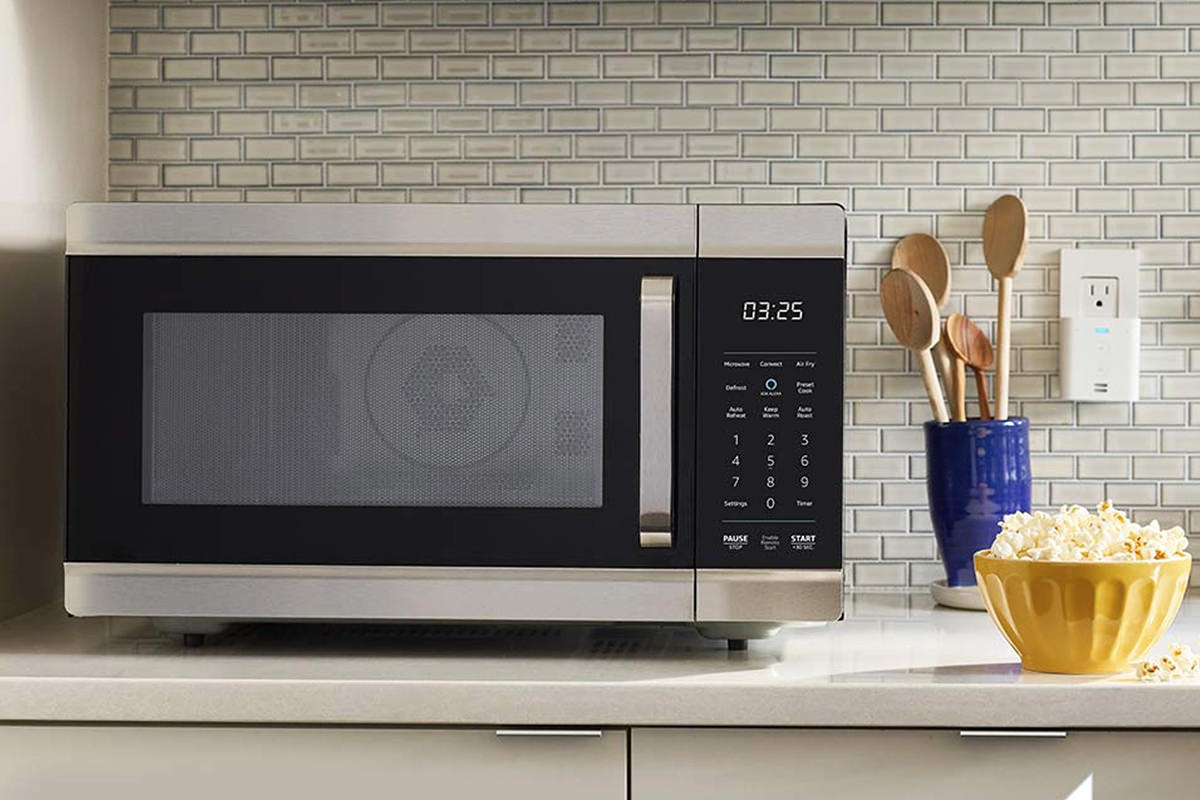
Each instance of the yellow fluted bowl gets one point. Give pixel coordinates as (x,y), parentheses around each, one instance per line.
(1081,617)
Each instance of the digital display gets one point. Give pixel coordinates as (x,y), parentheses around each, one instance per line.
(772,310)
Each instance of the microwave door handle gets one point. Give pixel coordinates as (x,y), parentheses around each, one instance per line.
(657,409)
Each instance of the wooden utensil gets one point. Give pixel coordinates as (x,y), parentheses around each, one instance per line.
(913,317)
(1005,235)
(970,346)
(925,257)
(956,390)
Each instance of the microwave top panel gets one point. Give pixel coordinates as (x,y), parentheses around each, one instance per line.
(725,231)
(772,231)
(383,229)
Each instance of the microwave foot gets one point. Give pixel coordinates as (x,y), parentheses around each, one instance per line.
(737,633)
(192,629)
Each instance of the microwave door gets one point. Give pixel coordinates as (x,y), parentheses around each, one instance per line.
(417,411)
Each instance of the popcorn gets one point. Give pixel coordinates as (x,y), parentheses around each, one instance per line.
(1073,534)
(1183,656)
(1179,662)
(1149,672)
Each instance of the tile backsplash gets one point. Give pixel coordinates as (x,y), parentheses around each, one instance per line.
(914,115)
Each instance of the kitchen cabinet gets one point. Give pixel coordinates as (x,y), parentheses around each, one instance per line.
(766,764)
(136,762)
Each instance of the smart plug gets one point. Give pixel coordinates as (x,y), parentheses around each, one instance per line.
(1099,329)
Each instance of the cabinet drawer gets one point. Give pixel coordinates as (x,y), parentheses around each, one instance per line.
(932,764)
(132,762)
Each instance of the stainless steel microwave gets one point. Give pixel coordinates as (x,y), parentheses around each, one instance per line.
(471,413)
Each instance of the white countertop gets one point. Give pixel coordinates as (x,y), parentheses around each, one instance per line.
(895,661)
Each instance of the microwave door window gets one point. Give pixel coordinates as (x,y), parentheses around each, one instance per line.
(451,410)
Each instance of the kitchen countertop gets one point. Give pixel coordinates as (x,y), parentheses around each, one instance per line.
(895,661)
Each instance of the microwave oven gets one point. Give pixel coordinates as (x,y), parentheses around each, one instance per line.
(456,413)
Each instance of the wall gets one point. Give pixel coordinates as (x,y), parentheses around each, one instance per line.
(915,115)
(51,153)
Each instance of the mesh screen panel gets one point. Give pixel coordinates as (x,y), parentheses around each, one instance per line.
(373,409)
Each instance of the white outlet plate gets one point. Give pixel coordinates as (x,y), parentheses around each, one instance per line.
(1099,330)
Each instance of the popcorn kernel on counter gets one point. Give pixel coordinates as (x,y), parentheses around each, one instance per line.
(1179,662)
(1073,534)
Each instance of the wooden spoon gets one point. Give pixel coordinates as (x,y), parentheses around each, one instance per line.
(970,345)
(1005,235)
(913,316)
(925,257)
(956,388)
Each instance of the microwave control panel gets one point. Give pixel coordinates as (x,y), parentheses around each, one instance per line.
(769,413)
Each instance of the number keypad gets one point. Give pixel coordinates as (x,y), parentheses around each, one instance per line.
(768,434)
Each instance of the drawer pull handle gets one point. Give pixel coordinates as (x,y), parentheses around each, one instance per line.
(1011,734)
(576,732)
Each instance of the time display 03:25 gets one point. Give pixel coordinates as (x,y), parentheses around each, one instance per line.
(772,310)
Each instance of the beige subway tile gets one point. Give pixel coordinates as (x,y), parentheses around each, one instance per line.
(183,17)
(544,40)
(242,69)
(146,43)
(284,16)
(216,149)
(215,43)
(161,97)
(600,39)
(133,123)
(359,67)
(270,42)
(231,16)
(261,149)
(390,41)
(187,175)
(285,68)
(712,145)
(198,123)
(241,175)
(122,68)
(360,14)
(269,96)
(414,14)
(162,149)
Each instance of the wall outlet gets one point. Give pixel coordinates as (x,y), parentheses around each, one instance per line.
(1100,297)
(1099,330)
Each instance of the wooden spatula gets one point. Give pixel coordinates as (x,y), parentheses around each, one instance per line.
(913,316)
(970,346)
(1005,235)
(925,257)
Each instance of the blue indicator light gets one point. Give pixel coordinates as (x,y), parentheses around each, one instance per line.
(1101,330)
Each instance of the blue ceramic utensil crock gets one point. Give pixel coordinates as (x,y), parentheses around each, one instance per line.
(978,471)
